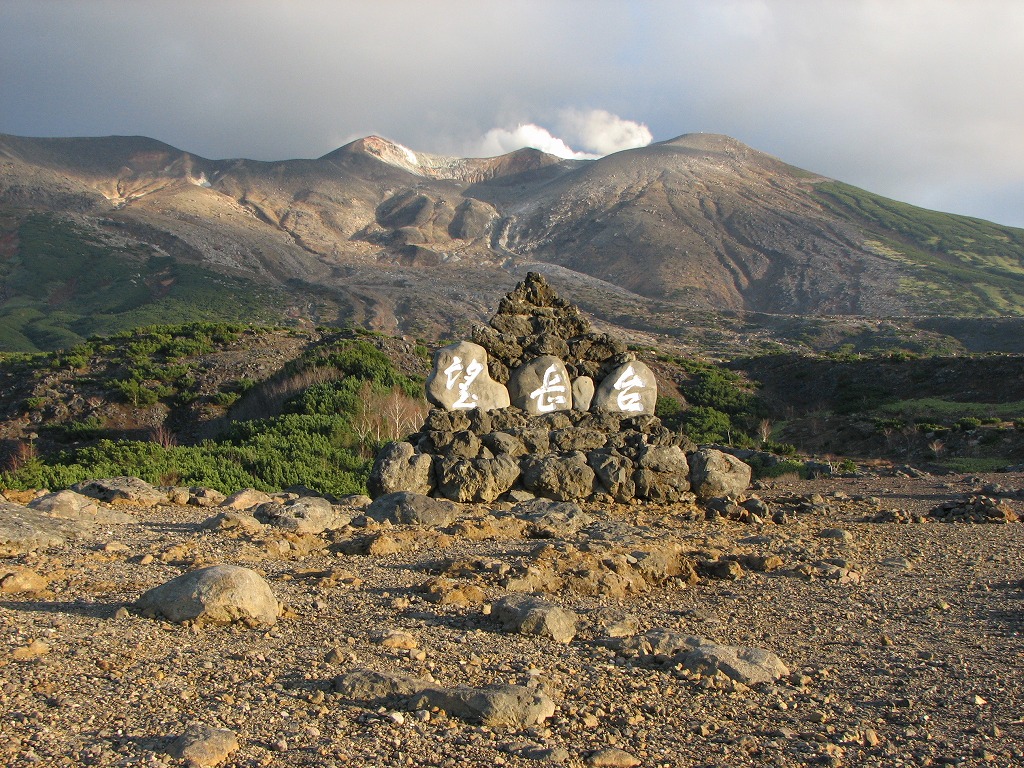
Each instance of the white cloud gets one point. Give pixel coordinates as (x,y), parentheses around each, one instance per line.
(597,131)
(601,132)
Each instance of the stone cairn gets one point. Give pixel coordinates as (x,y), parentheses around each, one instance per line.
(539,405)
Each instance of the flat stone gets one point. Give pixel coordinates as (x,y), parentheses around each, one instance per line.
(749,666)
(612,757)
(247,498)
(69,505)
(503,705)
(310,514)
(122,490)
(202,745)
(24,530)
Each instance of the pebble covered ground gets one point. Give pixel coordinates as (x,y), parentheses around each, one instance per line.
(903,640)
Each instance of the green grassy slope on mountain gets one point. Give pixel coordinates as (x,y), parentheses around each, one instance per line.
(957,265)
(61,284)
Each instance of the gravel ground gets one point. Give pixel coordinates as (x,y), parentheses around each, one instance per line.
(906,652)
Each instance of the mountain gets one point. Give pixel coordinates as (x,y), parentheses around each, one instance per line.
(698,239)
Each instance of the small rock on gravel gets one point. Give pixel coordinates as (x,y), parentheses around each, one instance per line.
(201,745)
(612,757)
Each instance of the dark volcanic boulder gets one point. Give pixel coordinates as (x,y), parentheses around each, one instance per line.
(476,480)
(615,472)
(563,478)
(399,467)
(715,473)
(411,509)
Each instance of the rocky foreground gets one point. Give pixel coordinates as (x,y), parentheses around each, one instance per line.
(846,621)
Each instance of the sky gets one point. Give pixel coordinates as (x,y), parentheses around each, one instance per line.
(918,100)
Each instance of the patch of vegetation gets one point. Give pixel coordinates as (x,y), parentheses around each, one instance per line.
(969,464)
(325,438)
(65,285)
(959,265)
(723,404)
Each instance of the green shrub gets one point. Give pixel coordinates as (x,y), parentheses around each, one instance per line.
(225,399)
(881,425)
(706,425)
(967,423)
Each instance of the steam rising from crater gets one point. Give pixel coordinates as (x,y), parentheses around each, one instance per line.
(597,132)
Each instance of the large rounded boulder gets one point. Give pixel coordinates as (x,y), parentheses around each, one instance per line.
(217,594)
(714,473)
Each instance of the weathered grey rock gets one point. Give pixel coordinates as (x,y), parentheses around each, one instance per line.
(476,480)
(629,388)
(577,439)
(24,530)
(205,497)
(615,473)
(504,443)
(371,685)
(122,490)
(398,467)
(309,514)
(661,642)
(217,594)
(564,478)
(617,623)
(530,615)
(541,385)
(612,757)
(714,473)
(582,393)
(203,746)
(407,508)
(663,474)
(502,705)
(749,666)
(68,505)
(234,520)
(459,379)
(552,519)
(247,498)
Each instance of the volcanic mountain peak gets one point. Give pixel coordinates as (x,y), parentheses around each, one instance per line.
(466,169)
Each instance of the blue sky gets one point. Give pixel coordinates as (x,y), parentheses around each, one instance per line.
(917,100)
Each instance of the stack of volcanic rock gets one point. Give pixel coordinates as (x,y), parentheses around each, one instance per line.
(518,415)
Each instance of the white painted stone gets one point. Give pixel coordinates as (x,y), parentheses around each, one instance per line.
(630,389)
(460,381)
(540,386)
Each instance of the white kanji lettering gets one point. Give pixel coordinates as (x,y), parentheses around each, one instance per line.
(546,395)
(626,400)
(467,400)
(452,372)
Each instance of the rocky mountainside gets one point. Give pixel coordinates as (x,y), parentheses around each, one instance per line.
(700,232)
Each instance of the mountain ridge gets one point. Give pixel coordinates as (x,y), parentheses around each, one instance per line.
(406,241)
